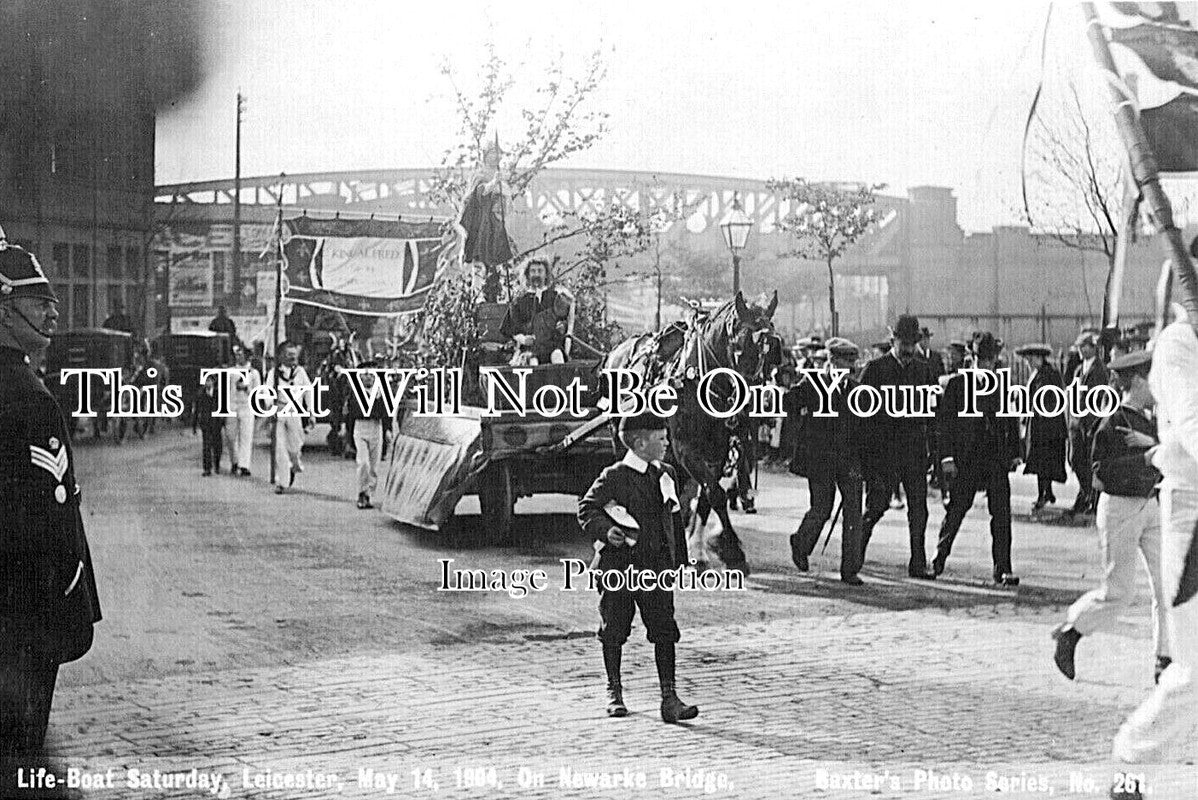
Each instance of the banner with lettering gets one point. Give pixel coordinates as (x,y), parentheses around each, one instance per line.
(371,267)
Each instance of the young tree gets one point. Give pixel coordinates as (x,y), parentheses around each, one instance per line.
(825,221)
(584,246)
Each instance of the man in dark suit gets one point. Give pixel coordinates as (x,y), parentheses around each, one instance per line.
(643,487)
(537,319)
(977,453)
(48,600)
(896,447)
(1091,372)
(828,454)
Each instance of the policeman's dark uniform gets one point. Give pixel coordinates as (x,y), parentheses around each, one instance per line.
(828,453)
(983,450)
(48,599)
(896,451)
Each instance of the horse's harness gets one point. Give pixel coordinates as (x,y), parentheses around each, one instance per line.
(703,354)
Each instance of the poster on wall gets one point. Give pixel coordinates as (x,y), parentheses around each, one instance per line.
(190,280)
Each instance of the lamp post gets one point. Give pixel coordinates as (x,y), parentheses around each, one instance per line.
(736,227)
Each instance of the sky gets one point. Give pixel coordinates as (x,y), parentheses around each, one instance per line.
(905,94)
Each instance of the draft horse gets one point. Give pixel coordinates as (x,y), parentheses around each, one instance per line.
(733,337)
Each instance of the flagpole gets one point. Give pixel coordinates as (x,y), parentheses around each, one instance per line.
(1144,168)
(274,419)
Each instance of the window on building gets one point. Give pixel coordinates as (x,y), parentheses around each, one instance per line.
(60,261)
(116,266)
(133,263)
(116,297)
(80,306)
(81,257)
(220,277)
(63,291)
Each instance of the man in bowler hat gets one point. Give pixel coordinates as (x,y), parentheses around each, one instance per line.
(896,448)
(976,453)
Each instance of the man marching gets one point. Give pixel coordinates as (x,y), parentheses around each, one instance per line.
(48,599)
(896,447)
(1129,522)
(371,431)
(976,453)
(1158,730)
(645,489)
(827,453)
(289,439)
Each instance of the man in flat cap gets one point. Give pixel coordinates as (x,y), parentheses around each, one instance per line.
(828,453)
(1091,372)
(48,599)
(1128,518)
(976,454)
(896,449)
(1044,437)
(643,487)
(1160,729)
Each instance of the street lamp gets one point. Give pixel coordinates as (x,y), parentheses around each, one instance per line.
(736,227)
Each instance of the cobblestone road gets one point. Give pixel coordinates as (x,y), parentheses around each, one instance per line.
(808,688)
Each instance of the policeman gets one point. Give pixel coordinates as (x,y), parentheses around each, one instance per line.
(896,447)
(827,453)
(48,600)
(1129,525)
(977,453)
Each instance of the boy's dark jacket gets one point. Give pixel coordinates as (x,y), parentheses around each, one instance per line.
(661,543)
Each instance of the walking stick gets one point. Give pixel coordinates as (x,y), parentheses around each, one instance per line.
(832,527)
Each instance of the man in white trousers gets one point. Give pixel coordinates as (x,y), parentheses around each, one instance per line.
(293,423)
(1128,518)
(1160,730)
(372,427)
(239,432)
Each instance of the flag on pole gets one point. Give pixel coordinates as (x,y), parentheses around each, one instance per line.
(370,267)
(1155,47)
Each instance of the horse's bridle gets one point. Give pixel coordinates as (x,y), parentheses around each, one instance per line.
(704,350)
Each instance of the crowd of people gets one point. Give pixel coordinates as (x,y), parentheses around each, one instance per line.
(885,462)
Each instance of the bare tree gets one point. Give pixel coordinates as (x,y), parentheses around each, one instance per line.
(1075,181)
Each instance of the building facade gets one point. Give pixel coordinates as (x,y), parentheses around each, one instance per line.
(81,81)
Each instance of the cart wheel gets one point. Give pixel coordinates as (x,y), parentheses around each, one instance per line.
(497,499)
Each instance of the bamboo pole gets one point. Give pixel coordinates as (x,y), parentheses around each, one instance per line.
(274,419)
(1144,168)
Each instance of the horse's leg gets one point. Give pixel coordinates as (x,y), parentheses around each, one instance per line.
(727,543)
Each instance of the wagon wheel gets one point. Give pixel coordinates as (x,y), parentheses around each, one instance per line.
(497,498)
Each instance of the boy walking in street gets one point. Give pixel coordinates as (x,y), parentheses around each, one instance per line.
(641,492)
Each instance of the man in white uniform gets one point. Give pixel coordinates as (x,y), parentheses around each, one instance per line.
(239,433)
(1159,730)
(289,440)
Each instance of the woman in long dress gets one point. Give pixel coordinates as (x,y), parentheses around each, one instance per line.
(1043,437)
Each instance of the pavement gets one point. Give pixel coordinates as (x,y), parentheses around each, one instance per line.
(295,647)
